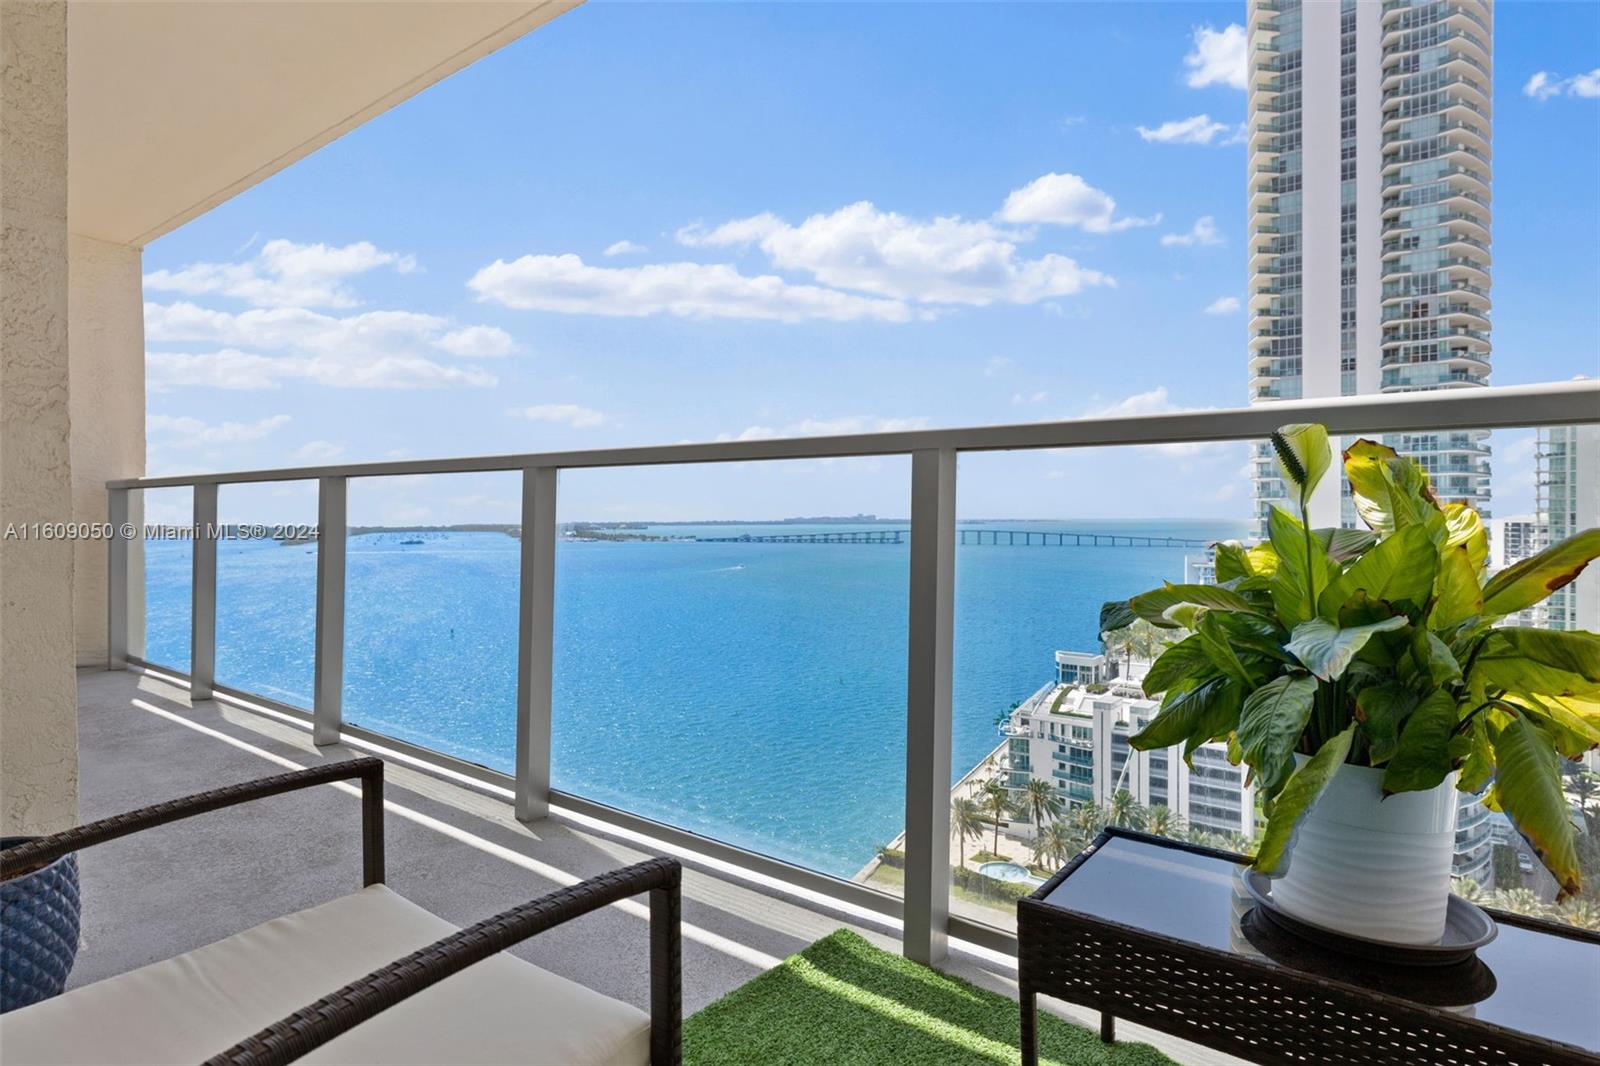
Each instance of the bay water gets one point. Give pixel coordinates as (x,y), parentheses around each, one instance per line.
(751,692)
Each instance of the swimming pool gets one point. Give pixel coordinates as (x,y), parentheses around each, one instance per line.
(1011,872)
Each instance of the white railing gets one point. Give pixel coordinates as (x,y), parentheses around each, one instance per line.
(925,910)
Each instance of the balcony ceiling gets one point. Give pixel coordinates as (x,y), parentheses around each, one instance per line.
(174,107)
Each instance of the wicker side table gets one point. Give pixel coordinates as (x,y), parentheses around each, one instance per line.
(1157,932)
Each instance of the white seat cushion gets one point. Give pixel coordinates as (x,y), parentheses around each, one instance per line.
(186,1009)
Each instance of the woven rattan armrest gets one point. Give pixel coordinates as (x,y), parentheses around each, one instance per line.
(315,1025)
(36,853)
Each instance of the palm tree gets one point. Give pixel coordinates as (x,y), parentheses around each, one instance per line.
(995,802)
(1161,821)
(1041,801)
(1058,842)
(1124,810)
(1089,819)
(966,818)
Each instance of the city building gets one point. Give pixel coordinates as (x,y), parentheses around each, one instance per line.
(1078,741)
(1514,538)
(1368,235)
(1568,500)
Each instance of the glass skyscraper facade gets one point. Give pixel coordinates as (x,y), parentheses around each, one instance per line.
(1369,191)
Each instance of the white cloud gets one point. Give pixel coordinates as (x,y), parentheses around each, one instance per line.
(185,432)
(318,451)
(944,261)
(1223,305)
(841,425)
(1204,231)
(1068,200)
(477,342)
(1218,58)
(1158,402)
(1546,84)
(624,248)
(1020,398)
(1197,129)
(374,349)
(569,414)
(996,365)
(284,274)
(230,368)
(564,283)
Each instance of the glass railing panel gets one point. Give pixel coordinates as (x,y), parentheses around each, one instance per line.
(432,568)
(726,665)
(1045,706)
(1028,653)
(168,576)
(267,589)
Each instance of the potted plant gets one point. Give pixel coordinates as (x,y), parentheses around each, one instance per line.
(1362,675)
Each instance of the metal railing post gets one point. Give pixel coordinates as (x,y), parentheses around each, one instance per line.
(327,701)
(119,607)
(203,595)
(536,641)
(930,657)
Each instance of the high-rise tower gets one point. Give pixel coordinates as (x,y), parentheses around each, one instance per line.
(1369,177)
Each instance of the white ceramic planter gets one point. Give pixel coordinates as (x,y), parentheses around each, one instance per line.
(1373,867)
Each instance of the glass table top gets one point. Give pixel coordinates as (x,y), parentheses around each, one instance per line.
(1539,983)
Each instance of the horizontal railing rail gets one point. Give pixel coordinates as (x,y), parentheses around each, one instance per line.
(1506,407)
(924,909)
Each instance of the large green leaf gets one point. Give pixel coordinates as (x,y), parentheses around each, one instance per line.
(1325,649)
(1433,658)
(1347,544)
(1390,490)
(1215,639)
(1185,660)
(1527,787)
(1270,724)
(1153,606)
(1457,596)
(1299,795)
(1526,583)
(1476,755)
(1292,582)
(1380,709)
(1398,568)
(1573,731)
(1209,711)
(1422,758)
(1540,662)
(1303,454)
(1115,615)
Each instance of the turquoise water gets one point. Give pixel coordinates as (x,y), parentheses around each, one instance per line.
(750,692)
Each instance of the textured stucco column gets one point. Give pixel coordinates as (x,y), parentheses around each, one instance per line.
(106,320)
(38,685)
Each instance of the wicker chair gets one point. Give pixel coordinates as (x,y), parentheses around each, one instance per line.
(451,996)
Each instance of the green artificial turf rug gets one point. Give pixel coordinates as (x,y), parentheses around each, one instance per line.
(843,1002)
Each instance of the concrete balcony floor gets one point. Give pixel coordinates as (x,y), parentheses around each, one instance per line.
(455,850)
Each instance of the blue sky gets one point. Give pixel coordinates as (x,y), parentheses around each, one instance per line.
(819,218)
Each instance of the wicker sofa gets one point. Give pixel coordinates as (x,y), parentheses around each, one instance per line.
(397,984)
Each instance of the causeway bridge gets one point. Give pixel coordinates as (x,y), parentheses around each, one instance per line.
(981,535)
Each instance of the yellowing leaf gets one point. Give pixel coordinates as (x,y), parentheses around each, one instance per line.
(1531,580)
(1527,786)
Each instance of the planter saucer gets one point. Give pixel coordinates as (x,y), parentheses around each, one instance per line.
(1466,929)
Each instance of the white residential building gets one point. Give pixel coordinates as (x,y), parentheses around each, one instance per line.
(1568,482)
(1078,741)
(1368,235)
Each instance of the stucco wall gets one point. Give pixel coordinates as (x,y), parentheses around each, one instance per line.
(38,685)
(106,320)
